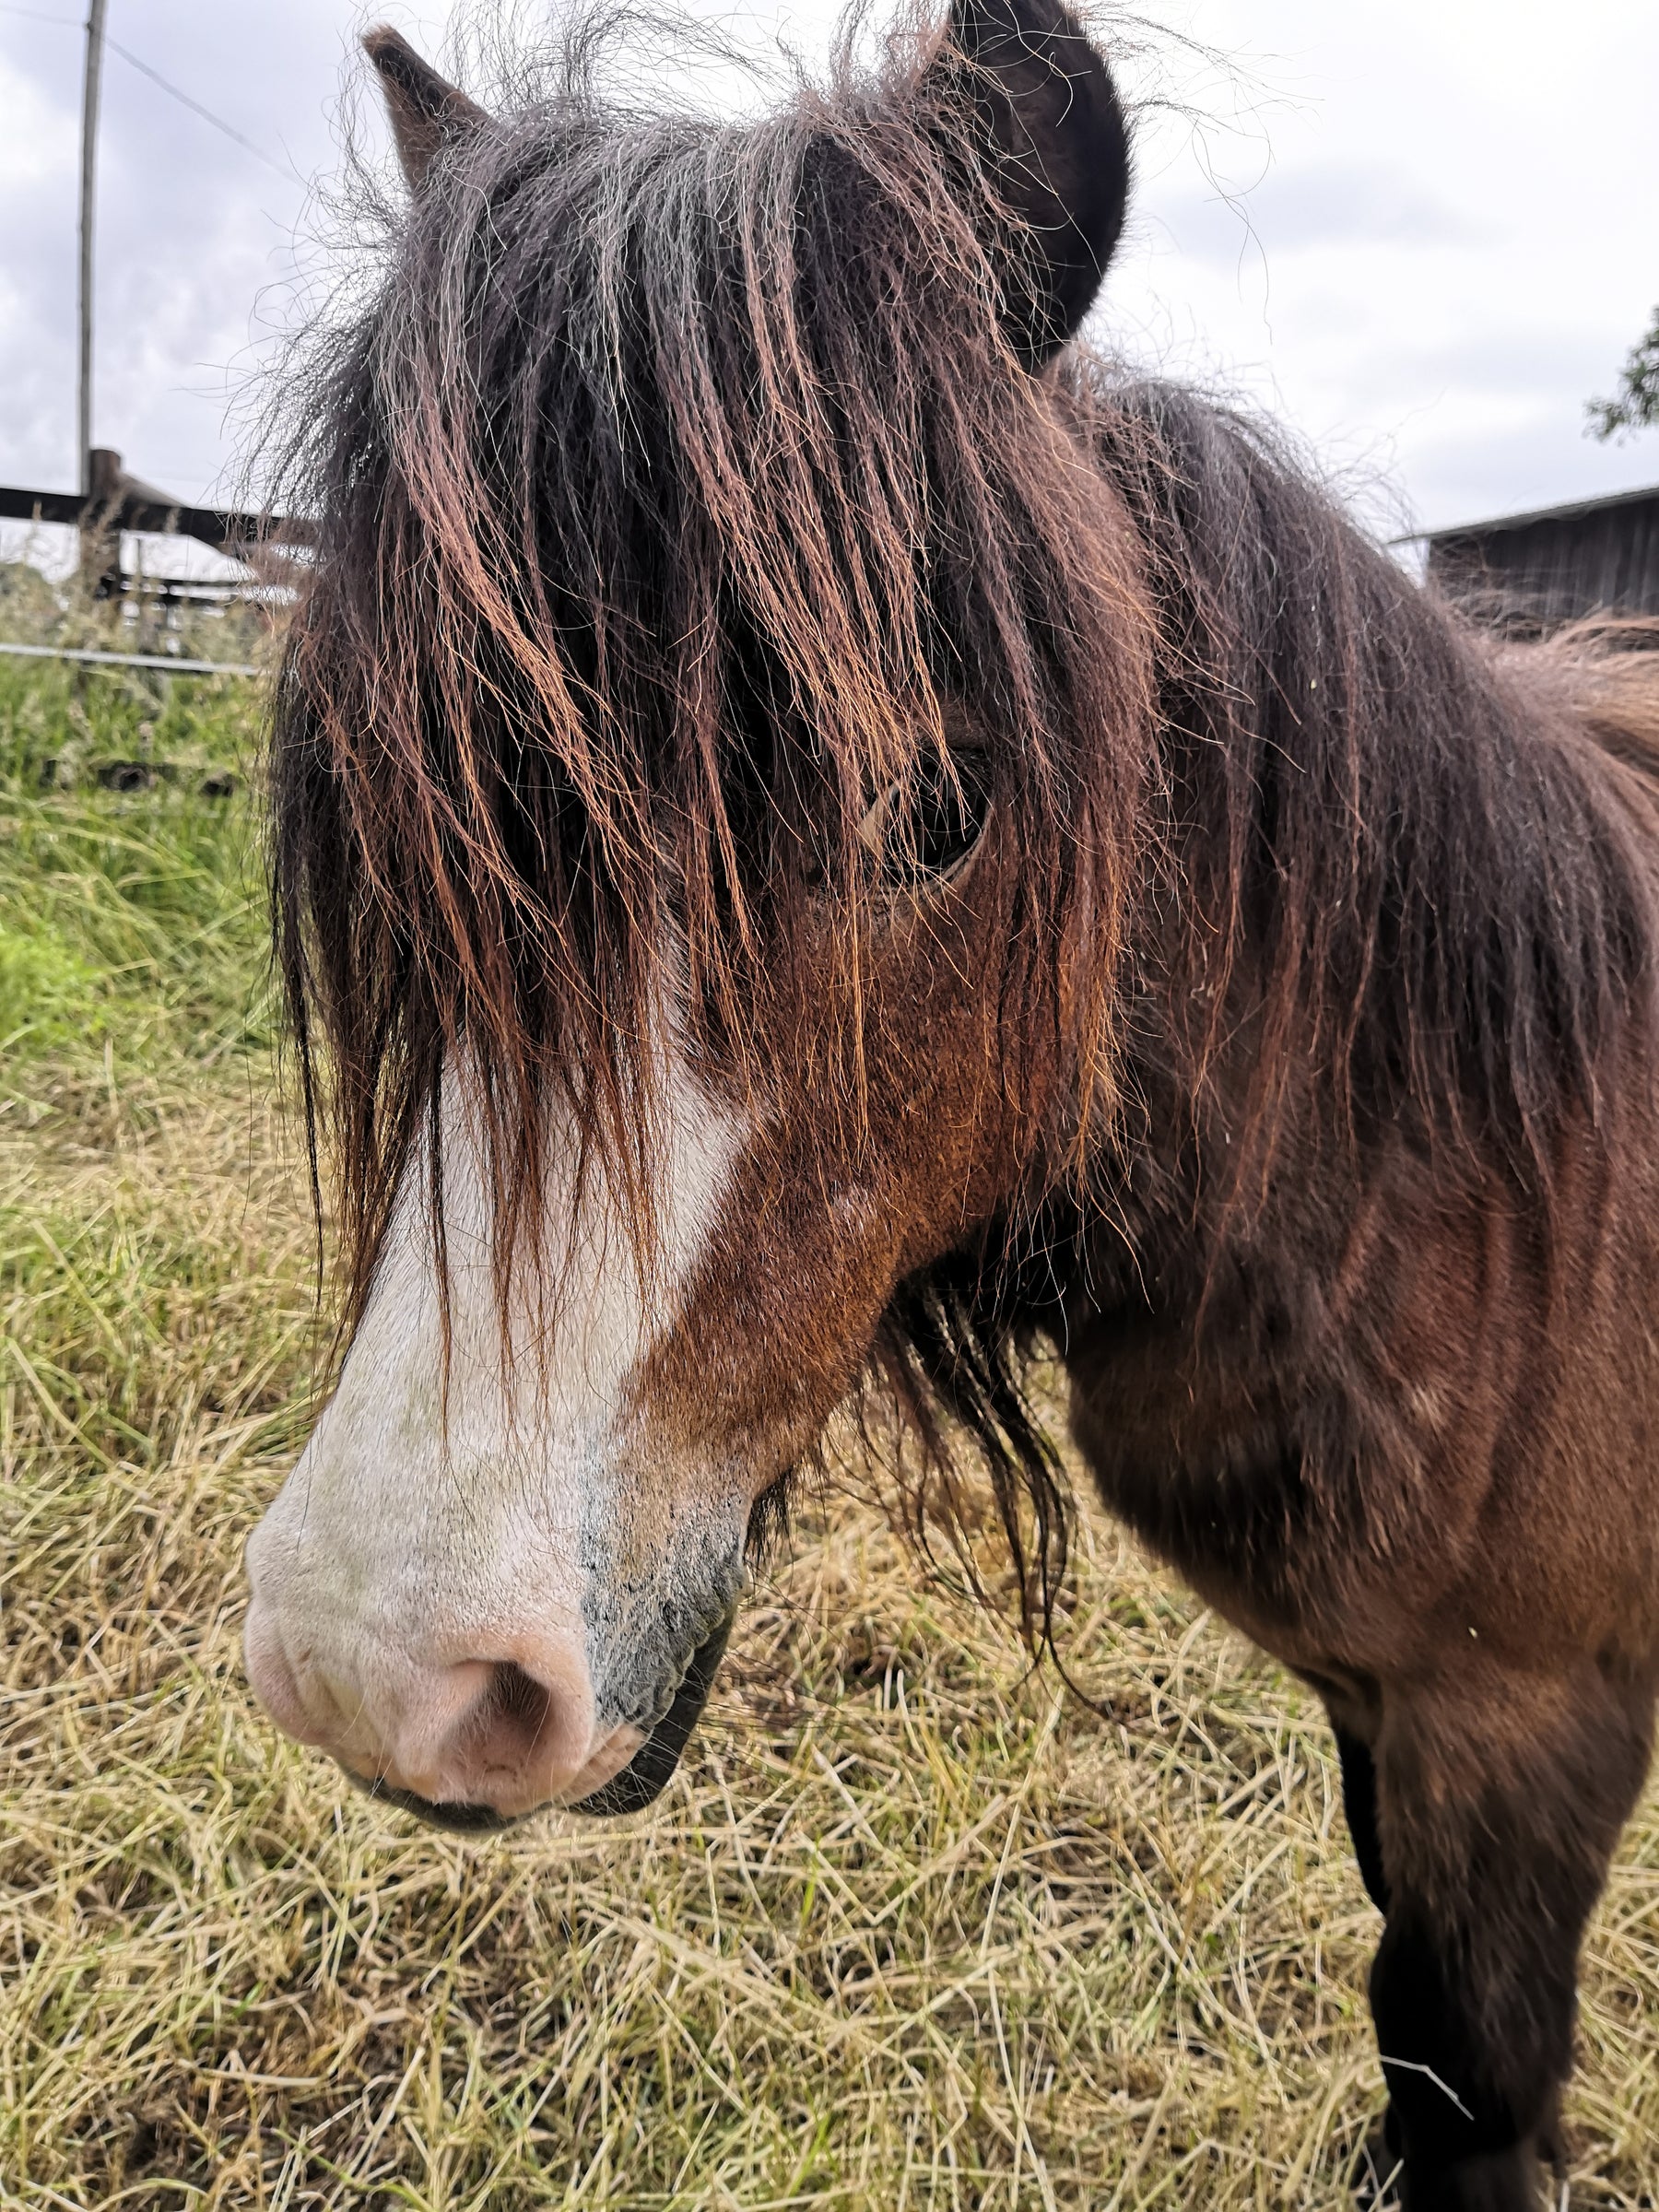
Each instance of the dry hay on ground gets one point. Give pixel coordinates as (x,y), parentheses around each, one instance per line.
(911,1930)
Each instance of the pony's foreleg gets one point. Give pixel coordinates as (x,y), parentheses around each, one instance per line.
(1500,1798)
(1359,1802)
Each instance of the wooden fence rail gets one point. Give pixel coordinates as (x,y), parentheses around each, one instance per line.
(119,501)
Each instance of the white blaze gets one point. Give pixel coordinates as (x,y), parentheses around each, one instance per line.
(418,1533)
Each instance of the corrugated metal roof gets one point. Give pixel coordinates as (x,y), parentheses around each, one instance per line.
(1569,512)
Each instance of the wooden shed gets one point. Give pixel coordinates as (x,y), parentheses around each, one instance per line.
(1528,573)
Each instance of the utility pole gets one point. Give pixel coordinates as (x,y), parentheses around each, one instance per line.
(88,193)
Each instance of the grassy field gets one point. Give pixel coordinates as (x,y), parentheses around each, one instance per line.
(909,1930)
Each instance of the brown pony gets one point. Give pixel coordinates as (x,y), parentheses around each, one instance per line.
(819,833)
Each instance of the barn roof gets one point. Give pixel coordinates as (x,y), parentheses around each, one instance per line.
(1570,512)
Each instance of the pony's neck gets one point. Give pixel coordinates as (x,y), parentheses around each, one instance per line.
(1407,890)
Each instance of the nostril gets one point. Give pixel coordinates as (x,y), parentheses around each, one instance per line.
(515,1715)
(491,1730)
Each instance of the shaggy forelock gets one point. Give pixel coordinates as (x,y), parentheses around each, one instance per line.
(676,489)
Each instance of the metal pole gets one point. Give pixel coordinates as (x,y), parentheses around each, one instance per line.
(91,86)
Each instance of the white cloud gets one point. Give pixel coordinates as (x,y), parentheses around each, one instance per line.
(1441,242)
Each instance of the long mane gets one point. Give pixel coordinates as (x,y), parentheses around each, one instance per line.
(673,484)
(1384,850)
(1405,849)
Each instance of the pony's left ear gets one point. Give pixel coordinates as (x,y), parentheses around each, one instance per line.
(425,110)
(1047,127)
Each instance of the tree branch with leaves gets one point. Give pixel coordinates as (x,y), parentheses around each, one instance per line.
(1635,405)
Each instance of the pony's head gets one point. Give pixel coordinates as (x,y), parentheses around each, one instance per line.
(709,769)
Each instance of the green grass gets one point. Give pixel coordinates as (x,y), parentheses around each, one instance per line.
(129,919)
(911,1930)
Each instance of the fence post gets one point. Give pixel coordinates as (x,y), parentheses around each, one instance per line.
(101,525)
(90,87)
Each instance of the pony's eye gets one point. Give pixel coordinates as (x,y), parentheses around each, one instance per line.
(922,828)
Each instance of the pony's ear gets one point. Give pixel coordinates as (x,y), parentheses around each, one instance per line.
(1047,126)
(425,110)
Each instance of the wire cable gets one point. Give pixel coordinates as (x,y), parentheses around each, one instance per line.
(197,108)
(35,15)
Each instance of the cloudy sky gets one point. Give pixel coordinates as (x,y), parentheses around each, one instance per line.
(1423,234)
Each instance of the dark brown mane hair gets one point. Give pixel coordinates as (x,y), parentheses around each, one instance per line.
(1373,850)
(676,487)
(1381,810)
(673,484)
(1374,854)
